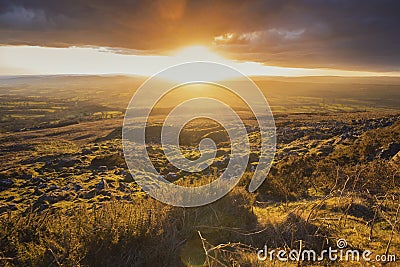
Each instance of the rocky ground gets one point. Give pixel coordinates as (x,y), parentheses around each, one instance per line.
(61,167)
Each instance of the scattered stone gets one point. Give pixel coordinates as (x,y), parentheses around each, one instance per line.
(63,163)
(37,181)
(42,185)
(26,176)
(37,192)
(127,176)
(219,163)
(127,197)
(88,194)
(45,198)
(53,187)
(68,162)
(87,152)
(77,187)
(105,193)
(73,169)
(103,168)
(6,183)
(171,175)
(108,160)
(253,166)
(102,185)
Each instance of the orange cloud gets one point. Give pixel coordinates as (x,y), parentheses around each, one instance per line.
(296,33)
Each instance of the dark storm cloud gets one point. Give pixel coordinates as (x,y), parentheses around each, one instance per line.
(311,33)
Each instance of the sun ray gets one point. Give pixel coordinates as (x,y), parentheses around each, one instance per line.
(198,52)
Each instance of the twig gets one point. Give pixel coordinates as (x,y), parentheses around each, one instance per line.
(55,257)
(204,247)
(393,228)
(7,259)
(378,207)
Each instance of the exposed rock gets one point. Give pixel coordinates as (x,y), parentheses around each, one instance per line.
(6,183)
(103,168)
(127,176)
(127,197)
(46,198)
(37,192)
(253,166)
(171,175)
(87,152)
(68,162)
(42,185)
(77,187)
(37,181)
(219,163)
(88,194)
(53,187)
(102,185)
(390,152)
(108,160)
(26,176)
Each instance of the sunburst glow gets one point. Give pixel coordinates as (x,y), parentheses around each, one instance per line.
(198,52)
(98,60)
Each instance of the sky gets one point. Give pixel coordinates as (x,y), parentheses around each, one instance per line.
(286,38)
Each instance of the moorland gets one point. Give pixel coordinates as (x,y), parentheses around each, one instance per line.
(67,197)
